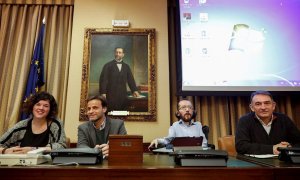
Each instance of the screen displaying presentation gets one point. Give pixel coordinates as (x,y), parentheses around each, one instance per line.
(239,45)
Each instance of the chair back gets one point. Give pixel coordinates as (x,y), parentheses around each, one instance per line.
(205,130)
(68,142)
(227,143)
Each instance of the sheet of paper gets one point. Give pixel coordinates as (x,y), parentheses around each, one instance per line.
(261,156)
(163,150)
(141,96)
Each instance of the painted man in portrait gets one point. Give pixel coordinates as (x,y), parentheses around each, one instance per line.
(114,78)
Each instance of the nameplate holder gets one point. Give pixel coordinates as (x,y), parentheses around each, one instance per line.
(120,23)
(119,113)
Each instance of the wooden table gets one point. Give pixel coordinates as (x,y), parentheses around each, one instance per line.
(154,167)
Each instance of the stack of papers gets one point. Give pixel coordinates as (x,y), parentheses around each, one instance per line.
(162,150)
(261,156)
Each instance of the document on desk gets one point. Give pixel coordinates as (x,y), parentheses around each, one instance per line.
(261,156)
(138,97)
(162,150)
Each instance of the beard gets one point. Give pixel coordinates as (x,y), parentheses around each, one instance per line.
(187,117)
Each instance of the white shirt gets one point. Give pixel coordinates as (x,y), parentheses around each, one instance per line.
(268,126)
(119,65)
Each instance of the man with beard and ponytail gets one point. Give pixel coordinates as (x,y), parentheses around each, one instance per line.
(185,127)
(96,131)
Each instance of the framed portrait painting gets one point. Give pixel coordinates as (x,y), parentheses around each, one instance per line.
(119,64)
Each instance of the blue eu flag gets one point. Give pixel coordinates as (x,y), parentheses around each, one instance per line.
(36,74)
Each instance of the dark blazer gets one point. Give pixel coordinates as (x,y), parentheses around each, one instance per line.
(87,135)
(113,83)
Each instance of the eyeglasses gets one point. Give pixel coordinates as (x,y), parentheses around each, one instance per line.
(186,107)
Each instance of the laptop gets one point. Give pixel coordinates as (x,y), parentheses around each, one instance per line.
(187,141)
(179,143)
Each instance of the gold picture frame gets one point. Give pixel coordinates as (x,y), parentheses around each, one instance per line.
(139,48)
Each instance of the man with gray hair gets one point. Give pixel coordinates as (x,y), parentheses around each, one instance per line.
(262,131)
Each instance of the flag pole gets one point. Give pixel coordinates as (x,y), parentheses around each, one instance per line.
(36,72)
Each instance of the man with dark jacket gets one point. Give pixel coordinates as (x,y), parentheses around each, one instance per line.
(114,78)
(263,130)
(95,132)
